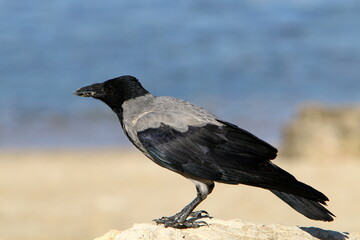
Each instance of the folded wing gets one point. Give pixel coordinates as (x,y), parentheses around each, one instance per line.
(226,153)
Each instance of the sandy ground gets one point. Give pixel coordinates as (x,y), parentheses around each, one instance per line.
(81,195)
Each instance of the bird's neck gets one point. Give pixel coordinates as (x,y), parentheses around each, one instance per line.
(131,108)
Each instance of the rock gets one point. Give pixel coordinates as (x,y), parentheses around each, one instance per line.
(227,230)
(110,235)
(323,133)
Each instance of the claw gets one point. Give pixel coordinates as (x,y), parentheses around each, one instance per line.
(164,220)
(200,224)
(192,222)
(200,214)
(186,224)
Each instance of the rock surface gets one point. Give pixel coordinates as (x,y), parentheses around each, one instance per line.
(323,132)
(227,230)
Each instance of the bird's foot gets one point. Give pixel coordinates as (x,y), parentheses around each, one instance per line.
(175,222)
(200,214)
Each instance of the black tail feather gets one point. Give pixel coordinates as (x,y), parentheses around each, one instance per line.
(270,176)
(309,208)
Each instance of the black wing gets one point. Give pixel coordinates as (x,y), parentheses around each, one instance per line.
(231,155)
(225,154)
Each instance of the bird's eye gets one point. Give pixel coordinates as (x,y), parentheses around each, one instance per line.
(109,88)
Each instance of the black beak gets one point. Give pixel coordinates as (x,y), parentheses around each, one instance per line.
(94,90)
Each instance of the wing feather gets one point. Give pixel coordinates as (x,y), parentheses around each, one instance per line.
(223,153)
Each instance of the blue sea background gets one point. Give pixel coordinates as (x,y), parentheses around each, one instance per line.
(251,62)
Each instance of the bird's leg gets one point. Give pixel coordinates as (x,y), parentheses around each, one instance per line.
(180,220)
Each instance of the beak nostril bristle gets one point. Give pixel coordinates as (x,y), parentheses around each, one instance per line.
(93,90)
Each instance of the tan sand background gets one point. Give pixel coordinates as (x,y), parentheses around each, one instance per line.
(82,194)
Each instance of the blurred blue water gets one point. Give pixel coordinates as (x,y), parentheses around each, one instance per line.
(249,62)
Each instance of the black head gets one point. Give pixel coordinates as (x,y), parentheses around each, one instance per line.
(114,92)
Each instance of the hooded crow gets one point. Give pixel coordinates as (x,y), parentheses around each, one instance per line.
(192,142)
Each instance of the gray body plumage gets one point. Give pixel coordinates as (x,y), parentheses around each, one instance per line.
(191,141)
